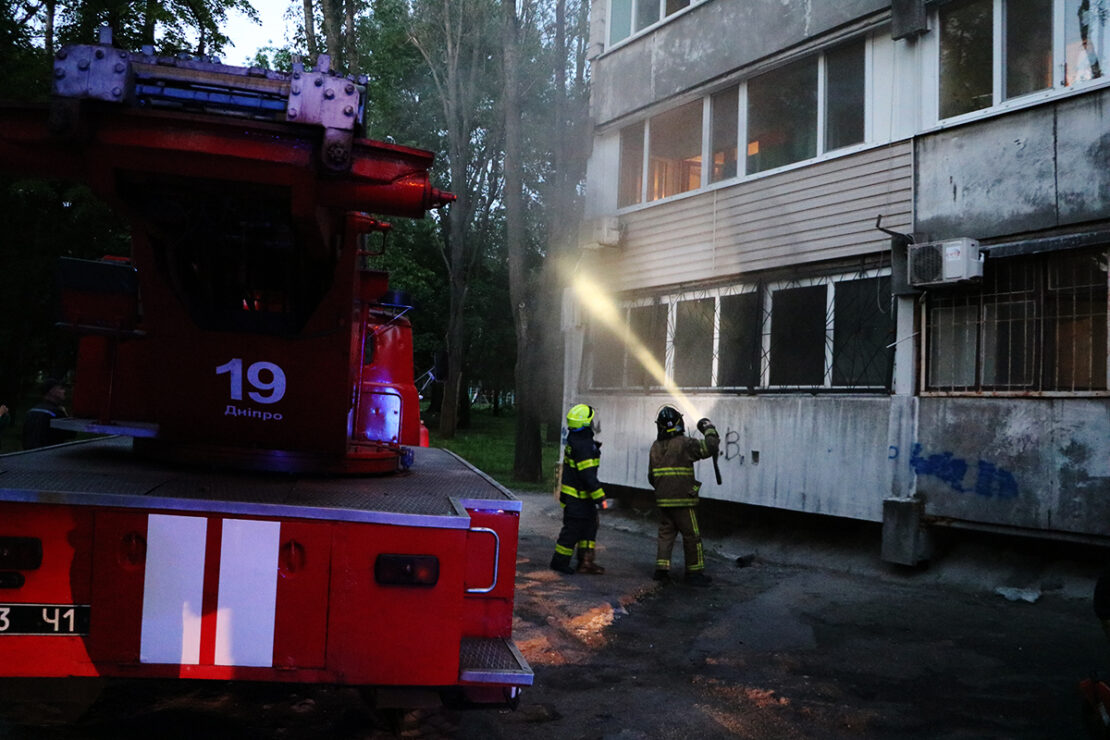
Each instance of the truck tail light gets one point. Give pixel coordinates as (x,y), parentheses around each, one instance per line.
(20,553)
(406,570)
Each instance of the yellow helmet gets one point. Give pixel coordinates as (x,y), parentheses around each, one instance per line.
(580,416)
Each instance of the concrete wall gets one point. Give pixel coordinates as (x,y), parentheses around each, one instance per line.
(823,455)
(1035,463)
(1039,168)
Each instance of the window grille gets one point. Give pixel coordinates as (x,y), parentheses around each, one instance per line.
(832,333)
(1035,324)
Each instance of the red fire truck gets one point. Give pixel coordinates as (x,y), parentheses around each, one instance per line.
(262,505)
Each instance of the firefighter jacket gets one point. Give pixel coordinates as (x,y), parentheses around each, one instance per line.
(581,457)
(671,470)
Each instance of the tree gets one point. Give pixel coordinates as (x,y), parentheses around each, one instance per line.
(534,275)
(170,27)
(456,40)
(527,453)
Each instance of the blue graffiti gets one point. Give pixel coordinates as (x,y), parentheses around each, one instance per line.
(990,481)
(995,482)
(893,453)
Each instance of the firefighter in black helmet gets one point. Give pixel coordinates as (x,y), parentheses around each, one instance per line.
(581,494)
(671,474)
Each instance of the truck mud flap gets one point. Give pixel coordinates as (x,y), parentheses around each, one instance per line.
(493,660)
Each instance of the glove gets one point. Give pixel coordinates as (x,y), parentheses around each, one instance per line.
(704,424)
(603,504)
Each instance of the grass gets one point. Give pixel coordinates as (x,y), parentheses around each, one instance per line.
(487,444)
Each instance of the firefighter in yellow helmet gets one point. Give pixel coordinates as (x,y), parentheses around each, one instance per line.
(671,474)
(581,494)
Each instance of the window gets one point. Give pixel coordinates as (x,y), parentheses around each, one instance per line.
(1087,45)
(1028,59)
(675,157)
(693,343)
(966,72)
(606,357)
(630,182)
(863,333)
(1038,323)
(620,20)
(738,365)
(834,333)
(649,327)
(724,108)
(844,96)
(798,336)
(782,116)
(781,120)
(997,50)
(627,17)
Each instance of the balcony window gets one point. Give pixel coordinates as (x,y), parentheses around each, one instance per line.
(1028,59)
(1087,43)
(675,151)
(782,116)
(628,17)
(724,107)
(630,183)
(966,57)
(844,96)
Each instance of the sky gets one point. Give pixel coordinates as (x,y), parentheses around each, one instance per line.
(249,37)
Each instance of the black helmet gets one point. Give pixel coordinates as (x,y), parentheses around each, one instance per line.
(669,422)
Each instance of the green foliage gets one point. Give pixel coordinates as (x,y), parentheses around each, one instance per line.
(170,26)
(26,67)
(44,220)
(487,444)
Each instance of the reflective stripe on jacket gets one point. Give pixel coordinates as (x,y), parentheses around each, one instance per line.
(671,467)
(581,457)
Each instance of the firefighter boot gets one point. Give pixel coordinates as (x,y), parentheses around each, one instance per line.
(586,563)
(561,563)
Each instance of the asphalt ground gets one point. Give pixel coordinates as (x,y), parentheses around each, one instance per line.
(804,633)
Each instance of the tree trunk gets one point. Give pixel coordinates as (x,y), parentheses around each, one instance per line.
(333,34)
(352,60)
(527,453)
(48,32)
(310,30)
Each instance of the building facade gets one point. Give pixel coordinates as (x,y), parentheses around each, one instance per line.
(869,240)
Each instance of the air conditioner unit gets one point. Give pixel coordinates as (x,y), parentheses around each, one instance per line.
(607,231)
(948,261)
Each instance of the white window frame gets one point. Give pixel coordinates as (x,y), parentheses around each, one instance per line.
(822,152)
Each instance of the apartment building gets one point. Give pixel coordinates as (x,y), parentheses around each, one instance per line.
(869,240)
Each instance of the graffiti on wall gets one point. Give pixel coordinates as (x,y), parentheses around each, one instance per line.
(990,481)
(730,446)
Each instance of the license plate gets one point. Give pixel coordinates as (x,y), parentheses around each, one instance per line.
(44,619)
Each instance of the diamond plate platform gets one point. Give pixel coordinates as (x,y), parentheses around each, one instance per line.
(493,660)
